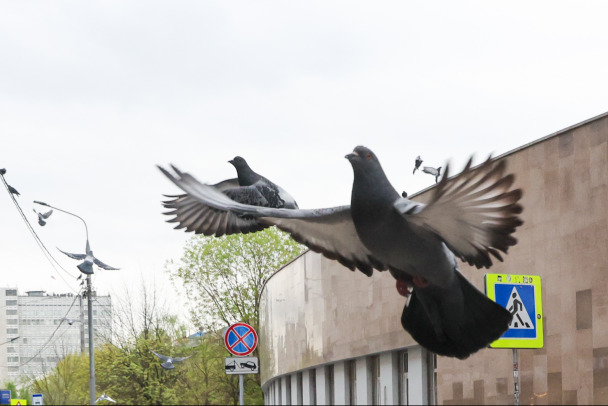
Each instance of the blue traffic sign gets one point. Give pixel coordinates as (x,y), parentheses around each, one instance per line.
(521,296)
(241,339)
(5,397)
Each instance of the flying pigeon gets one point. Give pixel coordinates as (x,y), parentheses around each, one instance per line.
(13,190)
(248,188)
(69,321)
(168,361)
(43,216)
(470,216)
(105,397)
(436,172)
(87,265)
(417,163)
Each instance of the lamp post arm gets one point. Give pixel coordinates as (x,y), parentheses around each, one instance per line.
(66,212)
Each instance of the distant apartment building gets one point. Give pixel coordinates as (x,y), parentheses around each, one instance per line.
(38,329)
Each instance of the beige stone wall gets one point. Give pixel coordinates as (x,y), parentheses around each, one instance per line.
(315,311)
(564,239)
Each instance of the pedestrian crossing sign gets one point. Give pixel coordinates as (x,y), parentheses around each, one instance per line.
(521,296)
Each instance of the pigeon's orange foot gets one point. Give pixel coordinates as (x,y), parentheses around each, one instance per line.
(403,288)
(420,282)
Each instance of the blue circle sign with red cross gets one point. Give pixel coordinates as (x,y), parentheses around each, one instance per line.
(241,339)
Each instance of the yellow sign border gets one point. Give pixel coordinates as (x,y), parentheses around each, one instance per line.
(491,280)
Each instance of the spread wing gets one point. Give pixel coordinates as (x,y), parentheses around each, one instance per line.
(74,256)
(180,359)
(162,357)
(104,266)
(330,231)
(475,213)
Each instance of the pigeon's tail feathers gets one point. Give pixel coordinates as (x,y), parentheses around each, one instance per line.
(86,268)
(455,330)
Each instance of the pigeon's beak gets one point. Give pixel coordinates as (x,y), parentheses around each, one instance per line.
(351,156)
(231,161)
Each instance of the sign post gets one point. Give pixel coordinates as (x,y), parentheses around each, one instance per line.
(241,340)
(521,295)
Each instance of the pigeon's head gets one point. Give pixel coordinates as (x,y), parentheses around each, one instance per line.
(363,158)
(238,162)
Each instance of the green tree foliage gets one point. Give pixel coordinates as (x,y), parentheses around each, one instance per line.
(223,277)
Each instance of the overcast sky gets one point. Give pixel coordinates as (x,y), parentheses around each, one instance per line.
(94,94)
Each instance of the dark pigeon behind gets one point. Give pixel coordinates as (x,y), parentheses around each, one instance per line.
(248,188)
(471,216)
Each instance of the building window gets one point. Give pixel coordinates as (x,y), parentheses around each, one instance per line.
(299,393)
(403,379)
(11,312)
(12,331)
(11,292)
(352,382)
(374,366)
(313,386)
(329,384)
(432,377)
(11,302)
(288,390)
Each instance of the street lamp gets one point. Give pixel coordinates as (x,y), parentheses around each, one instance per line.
(86,267)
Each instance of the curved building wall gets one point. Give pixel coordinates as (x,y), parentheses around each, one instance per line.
(314,312)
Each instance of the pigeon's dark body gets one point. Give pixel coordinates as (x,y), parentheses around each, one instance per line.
(417,164)
(248,188)
(13,190)
(471,216)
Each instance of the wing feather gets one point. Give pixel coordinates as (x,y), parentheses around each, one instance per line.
(329,231)
(475,213)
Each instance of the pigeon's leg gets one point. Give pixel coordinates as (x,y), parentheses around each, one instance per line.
(420,282)
(404,288)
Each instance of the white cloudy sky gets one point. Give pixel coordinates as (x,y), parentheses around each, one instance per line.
(94,94)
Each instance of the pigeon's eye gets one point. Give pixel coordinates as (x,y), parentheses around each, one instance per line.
(369,156)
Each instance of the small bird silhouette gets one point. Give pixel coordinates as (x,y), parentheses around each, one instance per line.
(43,216)
(69,321)
(404,194)
(13,190)
(87,265)
(105,397)
(168,360)
(2,171)
(436,172)
(417,163)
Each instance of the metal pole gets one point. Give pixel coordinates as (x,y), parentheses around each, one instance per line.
(516,376)
(241,390)
(92,391)
(82,346)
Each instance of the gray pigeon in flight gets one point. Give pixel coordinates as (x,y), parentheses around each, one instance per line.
(248,188)
(43,216)
(436,172)
(471,216)
(86,266)
(168,360)
(417,164)
(13,190)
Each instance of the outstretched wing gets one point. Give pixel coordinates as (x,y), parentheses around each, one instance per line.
(74,256)
(160,356)
(329,231)
(475,213)
(180,359)
(104,266)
